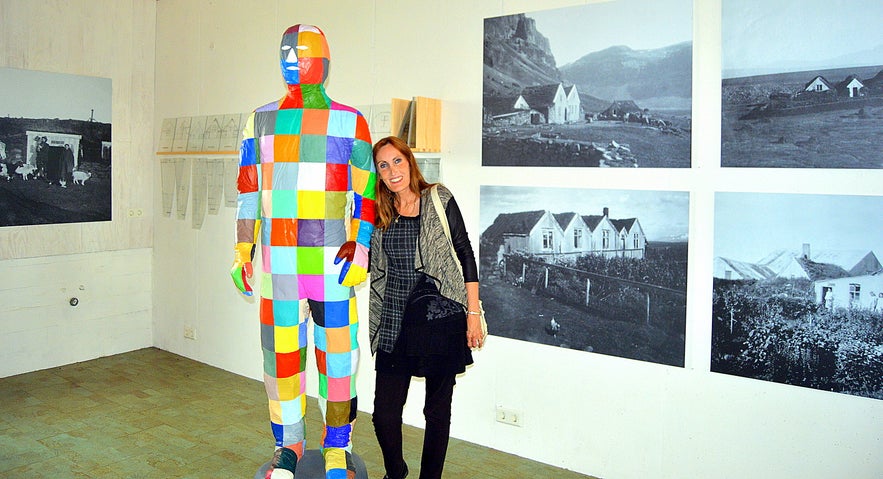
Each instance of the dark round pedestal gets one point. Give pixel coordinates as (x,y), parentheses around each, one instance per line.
(312,466)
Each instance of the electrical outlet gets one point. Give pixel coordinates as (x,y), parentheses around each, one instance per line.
(509,416)
(189,333)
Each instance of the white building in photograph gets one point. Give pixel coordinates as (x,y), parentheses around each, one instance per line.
(865,292)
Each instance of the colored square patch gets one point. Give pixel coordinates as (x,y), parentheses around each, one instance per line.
(311,233)
(315,122)
(285,289)
(286,148)
(283,232)
(264,124)
(284,204)
(338,149)
(311,177)
(285,312)
(284,176)
(311,287)
(340,340)
(336,177)
(312,148)
(311,204)
(266,145)
(335,205)
(289,364)
(309,261)
(342,123)
(283,259)
(288,122)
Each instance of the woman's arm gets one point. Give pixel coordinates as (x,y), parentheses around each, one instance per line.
(463,248)
(474,335)
(460,240)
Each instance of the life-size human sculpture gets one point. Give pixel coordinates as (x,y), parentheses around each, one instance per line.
(300,158)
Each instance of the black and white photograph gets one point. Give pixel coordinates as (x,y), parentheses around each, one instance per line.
(802,84)
(55,148)
(601,85)
(602,271)
(798,290)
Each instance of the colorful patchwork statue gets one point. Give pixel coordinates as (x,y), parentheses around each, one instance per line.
(306,188)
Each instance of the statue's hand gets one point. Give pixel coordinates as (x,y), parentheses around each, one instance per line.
(355,266)
(242,269)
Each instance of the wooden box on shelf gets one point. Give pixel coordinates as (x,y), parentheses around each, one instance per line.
(417,121)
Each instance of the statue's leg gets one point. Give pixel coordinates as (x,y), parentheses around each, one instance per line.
(284,345)
(337,356)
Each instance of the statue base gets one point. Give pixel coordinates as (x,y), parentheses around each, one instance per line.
(312,466)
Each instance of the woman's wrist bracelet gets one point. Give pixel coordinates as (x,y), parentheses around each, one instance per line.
(473,312)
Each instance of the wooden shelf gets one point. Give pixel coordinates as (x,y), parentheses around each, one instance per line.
(418,122)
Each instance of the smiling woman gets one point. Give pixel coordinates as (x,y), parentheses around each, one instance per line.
(410,247)
(401,181)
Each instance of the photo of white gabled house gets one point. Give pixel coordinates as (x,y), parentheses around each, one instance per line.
(818,84)
(551,104)
(555,104)
(557,236)
(864,292)
(800,265)
(727,268)
(849,87)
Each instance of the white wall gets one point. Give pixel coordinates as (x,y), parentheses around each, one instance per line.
(600,415)
(106,264)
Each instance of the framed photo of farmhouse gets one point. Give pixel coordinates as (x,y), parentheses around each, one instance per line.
(55,148)
(802,84)
(602,271)
(798,290)
(606,84)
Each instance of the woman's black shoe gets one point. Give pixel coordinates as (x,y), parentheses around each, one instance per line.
(403,475)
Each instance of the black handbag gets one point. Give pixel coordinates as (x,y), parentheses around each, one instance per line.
(426,304)
(432,324)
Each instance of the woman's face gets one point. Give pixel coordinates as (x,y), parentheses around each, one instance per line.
(393,168)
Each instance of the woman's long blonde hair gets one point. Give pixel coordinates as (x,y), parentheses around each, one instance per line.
(384,199)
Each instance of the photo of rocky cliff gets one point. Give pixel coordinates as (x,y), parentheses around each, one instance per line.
(600,85)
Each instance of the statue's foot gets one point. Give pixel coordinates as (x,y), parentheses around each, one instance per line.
(339,464)
(283,465)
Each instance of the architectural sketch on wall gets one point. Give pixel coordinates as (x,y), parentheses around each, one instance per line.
(603,271)
(798,290)
(802,84)
(55,164)
(600,85)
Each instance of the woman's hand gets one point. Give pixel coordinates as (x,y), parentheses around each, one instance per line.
(474,336)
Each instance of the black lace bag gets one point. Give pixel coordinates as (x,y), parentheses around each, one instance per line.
(432,323)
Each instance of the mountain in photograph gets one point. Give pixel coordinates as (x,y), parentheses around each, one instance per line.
(516,55)
(867,56)
(661,77)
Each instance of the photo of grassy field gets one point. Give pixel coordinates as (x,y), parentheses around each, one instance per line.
(840,133)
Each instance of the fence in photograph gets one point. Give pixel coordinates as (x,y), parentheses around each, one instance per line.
(608,296)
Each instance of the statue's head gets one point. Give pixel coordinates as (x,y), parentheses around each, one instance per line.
(304,55)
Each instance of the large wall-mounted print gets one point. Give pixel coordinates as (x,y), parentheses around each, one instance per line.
(802,84)
(603,271)
(798,290)
(600,85)
(55,148)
